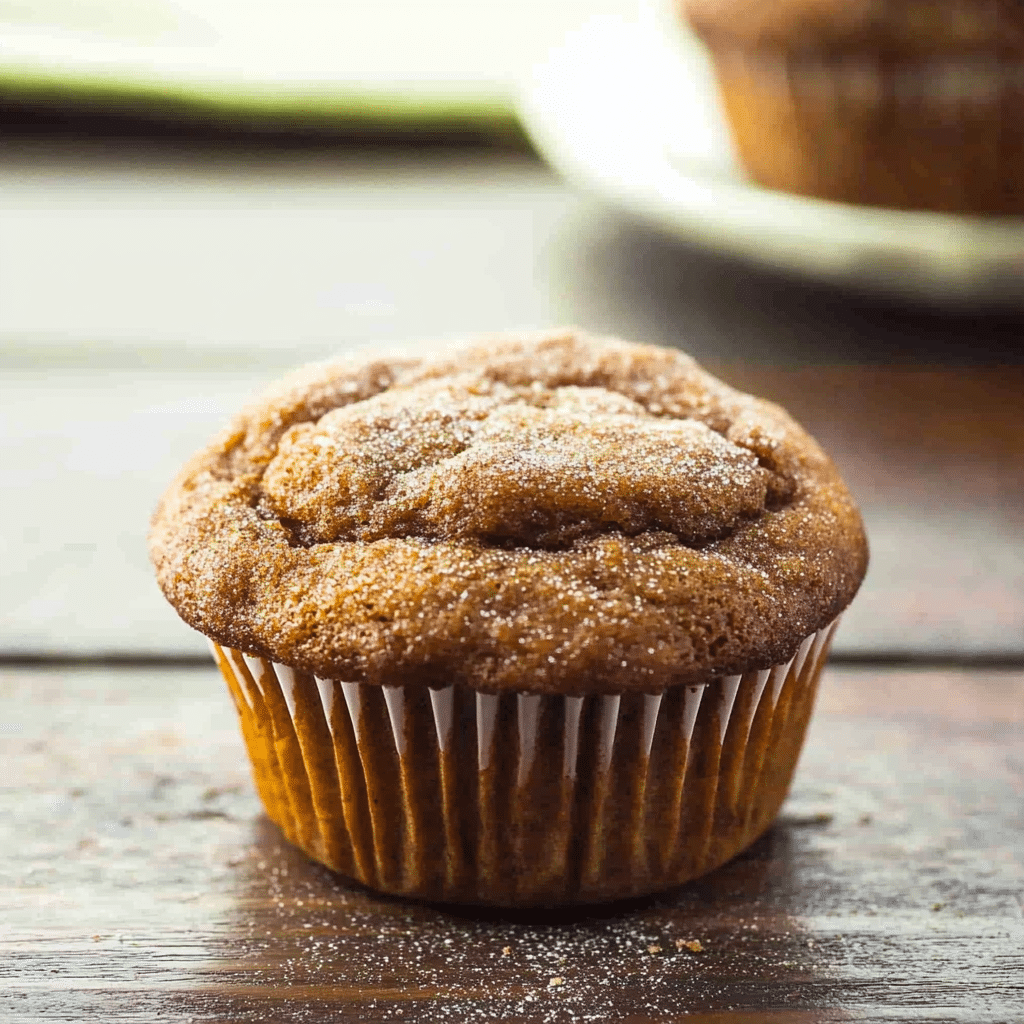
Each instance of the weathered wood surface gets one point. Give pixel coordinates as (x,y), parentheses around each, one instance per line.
(147,288)
(138,880)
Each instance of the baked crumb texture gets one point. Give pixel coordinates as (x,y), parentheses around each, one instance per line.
(553,514)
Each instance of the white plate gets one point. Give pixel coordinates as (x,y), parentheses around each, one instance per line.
(627,109)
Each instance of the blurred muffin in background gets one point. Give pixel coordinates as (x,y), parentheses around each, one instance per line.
(915,104)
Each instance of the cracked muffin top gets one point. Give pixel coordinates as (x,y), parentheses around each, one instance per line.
(557,513)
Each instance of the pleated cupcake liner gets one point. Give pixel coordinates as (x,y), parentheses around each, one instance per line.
(937,133)
(949,79)
(519,799)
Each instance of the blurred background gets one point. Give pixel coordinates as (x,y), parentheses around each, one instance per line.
(195,197)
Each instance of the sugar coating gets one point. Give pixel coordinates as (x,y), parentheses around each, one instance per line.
(554,513)
(535,466)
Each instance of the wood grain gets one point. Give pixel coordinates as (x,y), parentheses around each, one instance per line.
(149,286)
(138,880)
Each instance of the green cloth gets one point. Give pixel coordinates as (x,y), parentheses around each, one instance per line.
(272,109)
(332,66)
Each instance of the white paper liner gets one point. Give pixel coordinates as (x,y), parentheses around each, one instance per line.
(560,799)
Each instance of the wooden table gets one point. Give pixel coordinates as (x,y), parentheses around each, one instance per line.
(148,286)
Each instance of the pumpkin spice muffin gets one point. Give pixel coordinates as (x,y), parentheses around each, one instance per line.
(536,622)
(915,104)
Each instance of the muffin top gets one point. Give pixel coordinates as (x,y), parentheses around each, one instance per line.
(885,28)
(555,513)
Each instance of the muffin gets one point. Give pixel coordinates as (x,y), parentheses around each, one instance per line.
(915,104)
(536,622)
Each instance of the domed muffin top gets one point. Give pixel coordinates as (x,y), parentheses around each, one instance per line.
(886,28)
(555,513)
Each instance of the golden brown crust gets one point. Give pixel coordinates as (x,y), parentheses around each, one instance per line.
(934,138)
(881,27)
(556,514)
(910,104)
